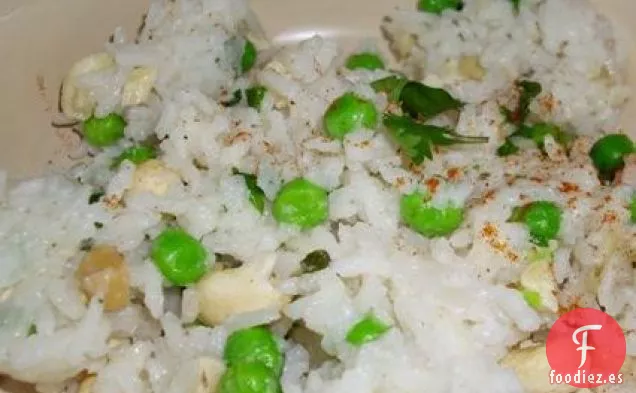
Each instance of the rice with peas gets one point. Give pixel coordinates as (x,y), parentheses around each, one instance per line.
(454,304)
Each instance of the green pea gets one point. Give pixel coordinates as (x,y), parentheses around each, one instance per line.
(249,56)
(301,203)
(542,218)
(418,213)
(366,330)
(348,113)
(249,378)
(608,153)
(438,6)
(136,155)
(104,131)
(181,258)
(366,60)
(255,96)
(254,345)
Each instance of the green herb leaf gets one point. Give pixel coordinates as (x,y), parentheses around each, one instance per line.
(370,328)
(315,261)
(33,330)
(417,140)
(507,149)
(564,138)
(237,96)
(518,213)
(632,209)
(248,59)
(439,6)
(364,60)
(416,145)
(86,244)
(257,195)
(528,91)
(95,196)
(507,114)
(533,298)
(425,102)
(392,86)
(98,225)
(227,261)
(255,96)
(539,131)
(516,4)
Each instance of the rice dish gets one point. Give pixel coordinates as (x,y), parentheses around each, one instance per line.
(458,304)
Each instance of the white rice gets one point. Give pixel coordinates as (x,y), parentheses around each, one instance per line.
(453,313)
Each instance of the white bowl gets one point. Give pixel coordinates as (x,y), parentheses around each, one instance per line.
(47,37)
(43,38)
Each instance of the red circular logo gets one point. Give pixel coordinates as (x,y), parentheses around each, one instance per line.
(586,348)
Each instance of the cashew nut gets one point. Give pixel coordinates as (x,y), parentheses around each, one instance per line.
(470,67)
(138,86)
(225,293)
(86,386)
(539,277)
(209,373)
(103,271)
(153,176)
(533,370)
(278,68)
(78,103)
(402,44)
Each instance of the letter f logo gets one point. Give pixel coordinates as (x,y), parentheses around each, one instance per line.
(583,344)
